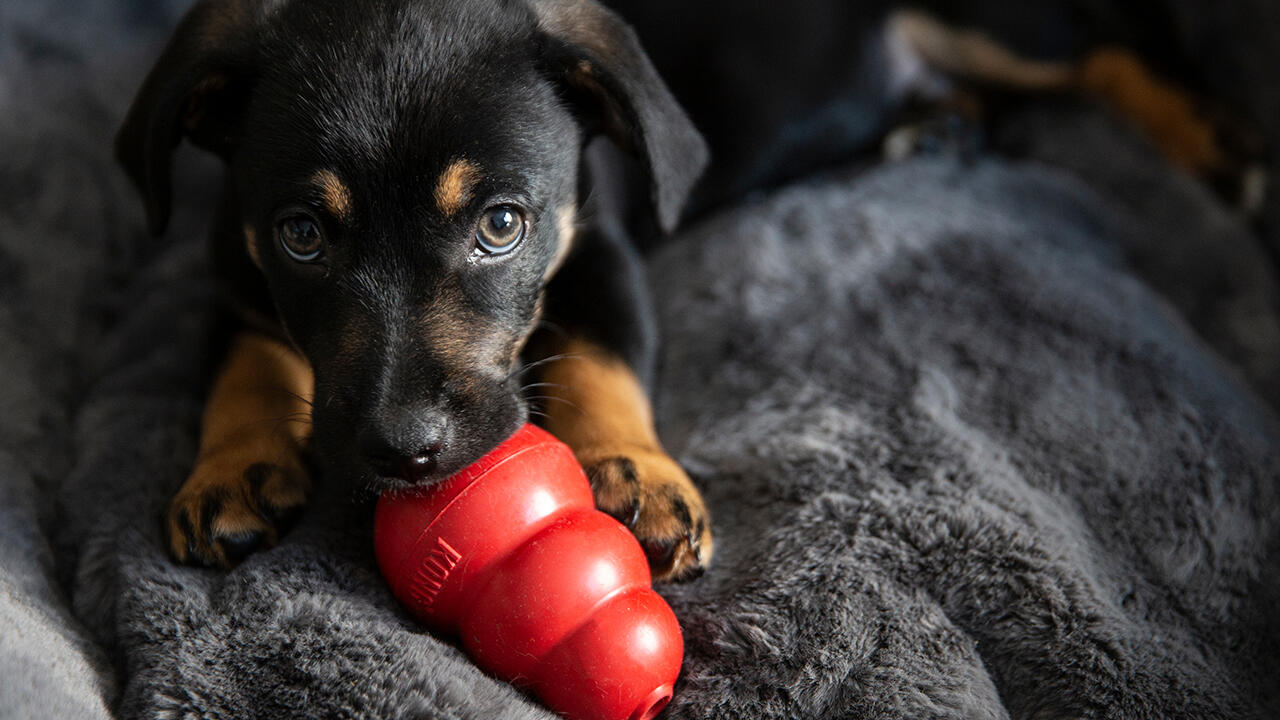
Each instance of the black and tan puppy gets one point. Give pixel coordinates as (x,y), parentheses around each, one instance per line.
(400,212)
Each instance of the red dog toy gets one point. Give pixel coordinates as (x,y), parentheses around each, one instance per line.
(543,589)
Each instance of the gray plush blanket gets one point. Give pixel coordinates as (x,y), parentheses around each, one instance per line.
(981,440)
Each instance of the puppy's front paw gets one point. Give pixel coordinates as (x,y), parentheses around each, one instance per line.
(233,505)
(649,493)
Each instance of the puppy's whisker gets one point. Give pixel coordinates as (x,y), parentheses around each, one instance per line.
(557,399)
(531,386)
(289,393)
(299,418)
(586,209)
(529,366)
(304,400)
(259,424)
(268,390)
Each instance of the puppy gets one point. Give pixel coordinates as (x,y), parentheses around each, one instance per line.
(400,212)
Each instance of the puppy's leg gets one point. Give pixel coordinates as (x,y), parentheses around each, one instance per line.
(602,412)
(593,398)
(250,474)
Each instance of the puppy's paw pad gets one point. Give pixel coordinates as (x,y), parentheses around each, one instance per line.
(650,494)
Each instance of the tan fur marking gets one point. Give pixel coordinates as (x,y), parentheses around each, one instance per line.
(567,230)
(258,412)
(602,412)
(251,245)
(539,308)
(336,195)
(1164,112)
(262,381)
(453,189)
(974,56)
(602,401)
(465,342)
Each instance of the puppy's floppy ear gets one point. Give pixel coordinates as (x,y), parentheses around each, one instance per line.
(595,54)
(196,89)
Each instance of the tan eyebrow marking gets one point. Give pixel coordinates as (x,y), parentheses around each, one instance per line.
(566,223)
(251,244)
(336,195)
(453,190)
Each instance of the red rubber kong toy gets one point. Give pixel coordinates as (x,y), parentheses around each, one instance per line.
(543,589)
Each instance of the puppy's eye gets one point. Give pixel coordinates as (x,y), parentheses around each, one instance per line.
(301,238)
(501,229)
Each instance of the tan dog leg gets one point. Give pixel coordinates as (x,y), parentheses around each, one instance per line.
(250,472)
(1170,116)
(598,407)
(1165,113)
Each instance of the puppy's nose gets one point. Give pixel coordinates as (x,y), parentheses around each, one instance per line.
(404,443)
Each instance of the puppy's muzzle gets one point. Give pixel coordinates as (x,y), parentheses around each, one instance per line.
(405,442)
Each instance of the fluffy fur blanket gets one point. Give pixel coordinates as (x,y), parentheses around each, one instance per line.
(981,440)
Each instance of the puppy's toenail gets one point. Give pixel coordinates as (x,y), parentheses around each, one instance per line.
(628,515)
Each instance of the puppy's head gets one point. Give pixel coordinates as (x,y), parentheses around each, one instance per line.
(404,174)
